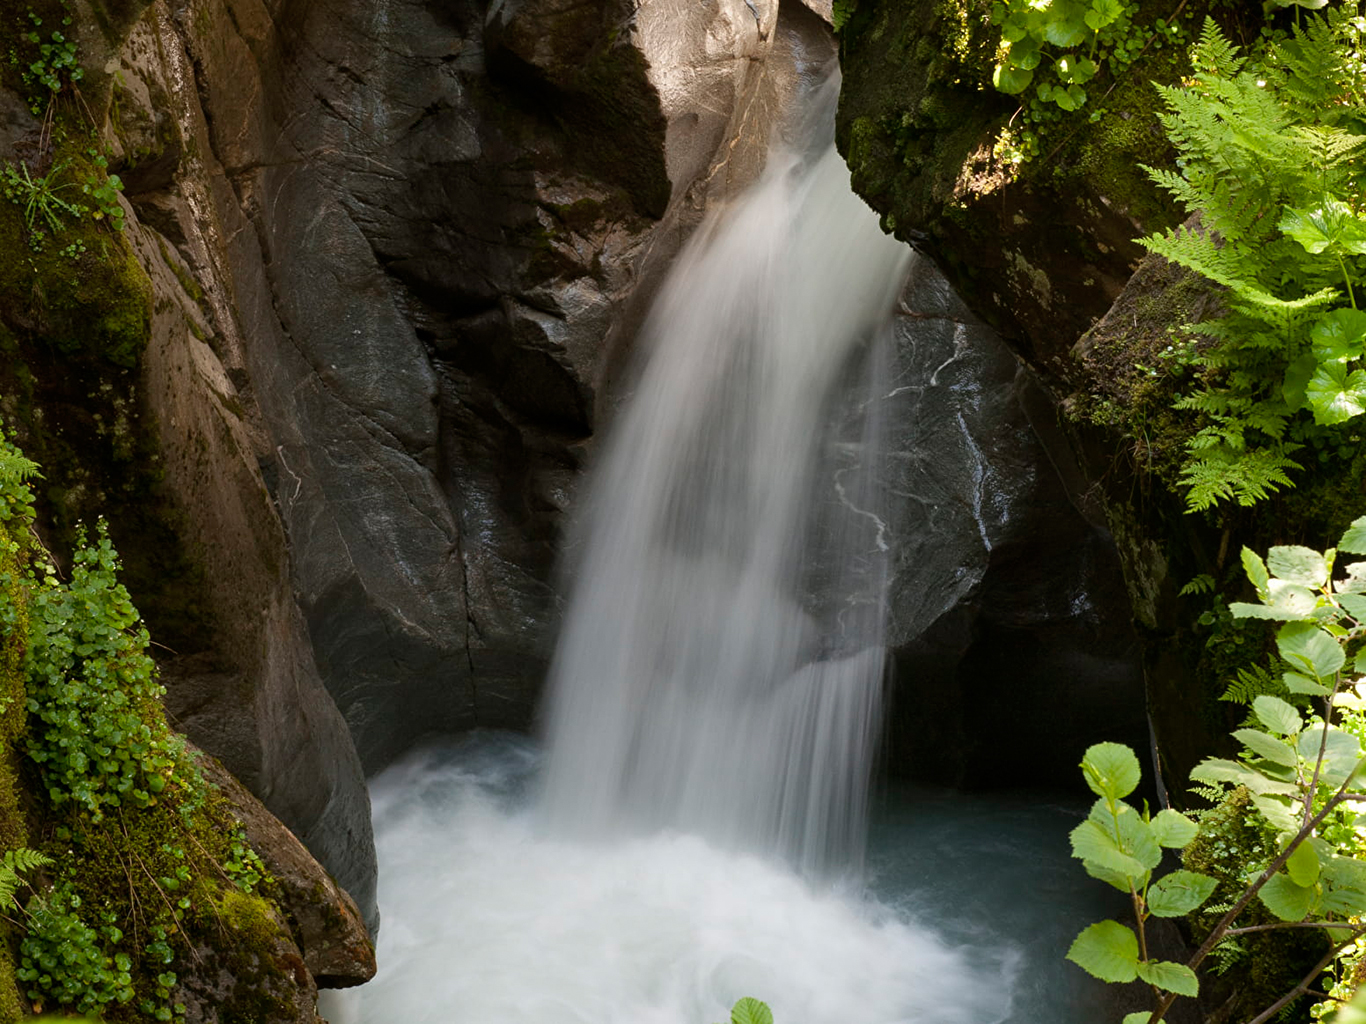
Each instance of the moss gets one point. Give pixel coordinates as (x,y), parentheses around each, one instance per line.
(13,827)
(1271,963)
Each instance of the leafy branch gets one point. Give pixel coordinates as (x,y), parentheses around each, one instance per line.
(1300,775)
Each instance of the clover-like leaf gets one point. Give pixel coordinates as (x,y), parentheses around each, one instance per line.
(1336,394)
(1339,336)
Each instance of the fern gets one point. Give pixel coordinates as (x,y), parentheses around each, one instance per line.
(1272,161)
(1224,473)
(13,865)
(1254,682)
(1202,584)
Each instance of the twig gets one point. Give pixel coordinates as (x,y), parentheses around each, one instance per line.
(1299,990)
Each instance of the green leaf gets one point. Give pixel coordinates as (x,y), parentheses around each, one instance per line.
(1297,564)
(1093,844)
(1179,893)
(1331,225)
(1354,540)
(1216,769)
(1256,568)
(1269,747)
(1296,683)
(1106,950)
(1172,829)
(1297,377)
(1068,30)
(1170,977)
(1354,605)
(1136,839)
(1025,54)
(1011,80)
(1339,336)
(1341,750)
(1284,898)
(1285,601)
(1142,1017)
(1310,650)
(1303,865)
(1111,770)
(1335,395)
(1277,715)
(1275,810)
(750,1011)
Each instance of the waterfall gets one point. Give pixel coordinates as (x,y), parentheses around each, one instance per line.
(715,692)
(721,661)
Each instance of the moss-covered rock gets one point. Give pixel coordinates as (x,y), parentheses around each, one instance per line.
(1041,248)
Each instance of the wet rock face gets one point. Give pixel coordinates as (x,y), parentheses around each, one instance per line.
(432,227)
(1010,621)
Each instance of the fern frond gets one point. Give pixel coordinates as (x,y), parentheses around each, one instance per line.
(24,859)
(1247,476)
(1328,147)
(1214,54)
(1251,683)
(1201,584)
(14,468)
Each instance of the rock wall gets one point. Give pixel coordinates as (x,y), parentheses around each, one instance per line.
(380,266)
(1010,620)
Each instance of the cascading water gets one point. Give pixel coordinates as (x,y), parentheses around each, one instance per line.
(690,836)
(720,666)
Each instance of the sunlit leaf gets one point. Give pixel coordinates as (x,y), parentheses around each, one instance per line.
(1170,977)
(1310,650)
(1278,716)
(1106,950)
(1268,747)
(1354,540)
(1284,898)
(1339,336)
(1111,770)
(1172,829)
(1298,564)
(1179,893)
(1303,865)
(1336,394)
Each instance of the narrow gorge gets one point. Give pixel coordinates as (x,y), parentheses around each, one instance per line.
(507,417)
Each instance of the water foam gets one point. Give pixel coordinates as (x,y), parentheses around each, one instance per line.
(489,921)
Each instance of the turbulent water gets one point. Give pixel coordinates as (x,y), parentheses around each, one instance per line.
(695,832)
(487,920)
(720,666)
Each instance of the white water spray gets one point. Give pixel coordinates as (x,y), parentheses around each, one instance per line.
(720,666)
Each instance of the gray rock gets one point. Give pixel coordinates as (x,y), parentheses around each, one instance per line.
(1009,615)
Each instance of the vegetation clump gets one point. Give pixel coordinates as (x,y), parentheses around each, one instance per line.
(1283,846)
(1271,160)
(139,856)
